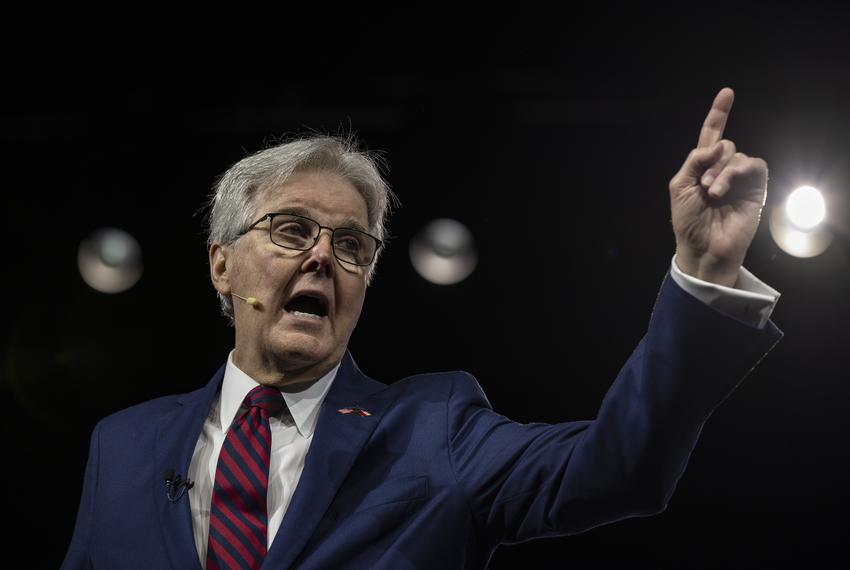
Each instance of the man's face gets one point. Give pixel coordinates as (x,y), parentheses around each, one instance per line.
(281,339)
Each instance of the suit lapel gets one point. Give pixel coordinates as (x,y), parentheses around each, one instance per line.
(177,434)
(337,441)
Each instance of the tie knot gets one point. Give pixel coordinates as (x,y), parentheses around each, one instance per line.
(265,397)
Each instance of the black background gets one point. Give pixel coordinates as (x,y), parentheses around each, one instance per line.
(571,118)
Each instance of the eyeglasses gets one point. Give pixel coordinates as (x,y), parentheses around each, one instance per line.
(292,231)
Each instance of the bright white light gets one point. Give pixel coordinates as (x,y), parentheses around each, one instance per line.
(797,242)
(110,260)
(444,252)
(805,207)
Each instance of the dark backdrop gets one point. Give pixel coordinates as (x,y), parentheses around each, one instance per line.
(571,119)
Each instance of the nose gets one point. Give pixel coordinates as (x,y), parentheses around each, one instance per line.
(320,258)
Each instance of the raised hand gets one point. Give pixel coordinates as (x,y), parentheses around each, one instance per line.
(716,200)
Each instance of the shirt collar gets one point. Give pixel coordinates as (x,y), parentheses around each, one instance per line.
(304,405)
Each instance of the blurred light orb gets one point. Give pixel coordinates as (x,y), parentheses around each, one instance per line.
(444,252)
(110,260)
(794,241)
(805,207)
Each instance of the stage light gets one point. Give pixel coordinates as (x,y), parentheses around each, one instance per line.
(444,252)
(805,208)
(797,227)
(110,260)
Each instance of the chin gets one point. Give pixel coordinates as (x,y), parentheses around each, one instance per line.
(299,350)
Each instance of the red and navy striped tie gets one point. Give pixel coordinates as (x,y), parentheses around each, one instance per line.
(238,515)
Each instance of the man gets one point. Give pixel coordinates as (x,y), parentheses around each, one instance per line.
(292,458)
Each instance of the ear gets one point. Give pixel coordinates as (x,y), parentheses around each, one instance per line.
(219,275)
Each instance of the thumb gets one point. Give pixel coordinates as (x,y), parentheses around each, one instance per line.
(698,161)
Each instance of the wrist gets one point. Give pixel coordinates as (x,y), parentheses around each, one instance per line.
(707,268)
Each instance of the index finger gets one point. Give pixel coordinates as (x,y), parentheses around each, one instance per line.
(715,122)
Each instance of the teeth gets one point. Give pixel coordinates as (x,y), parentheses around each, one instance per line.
(311,315)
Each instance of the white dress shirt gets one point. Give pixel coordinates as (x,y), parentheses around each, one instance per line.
(292,432)
(751,302)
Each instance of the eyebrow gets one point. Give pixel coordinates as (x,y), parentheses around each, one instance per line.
(347,223)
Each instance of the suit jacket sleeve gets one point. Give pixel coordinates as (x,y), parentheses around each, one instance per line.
(77,556)
(525,481)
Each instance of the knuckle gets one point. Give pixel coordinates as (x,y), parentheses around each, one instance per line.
(674,182)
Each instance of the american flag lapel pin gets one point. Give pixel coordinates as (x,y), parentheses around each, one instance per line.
(354,410)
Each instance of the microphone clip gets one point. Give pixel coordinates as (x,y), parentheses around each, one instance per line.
(176,487)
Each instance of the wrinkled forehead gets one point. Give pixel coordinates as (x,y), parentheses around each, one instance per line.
(328,198)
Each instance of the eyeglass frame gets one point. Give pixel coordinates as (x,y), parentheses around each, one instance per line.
(271,215)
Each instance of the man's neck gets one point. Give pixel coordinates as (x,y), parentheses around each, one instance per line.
(271,371)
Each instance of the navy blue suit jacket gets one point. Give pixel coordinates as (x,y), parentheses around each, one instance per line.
(433,478)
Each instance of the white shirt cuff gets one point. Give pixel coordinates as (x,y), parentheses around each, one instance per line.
(751,301)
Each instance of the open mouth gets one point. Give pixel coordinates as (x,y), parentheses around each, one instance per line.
(307,305)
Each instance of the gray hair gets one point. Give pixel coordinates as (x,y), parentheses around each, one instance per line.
(232,204)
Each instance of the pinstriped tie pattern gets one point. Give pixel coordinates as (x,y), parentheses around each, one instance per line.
(238,515)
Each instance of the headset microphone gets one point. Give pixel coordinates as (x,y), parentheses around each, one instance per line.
(254,302)
(250,300)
